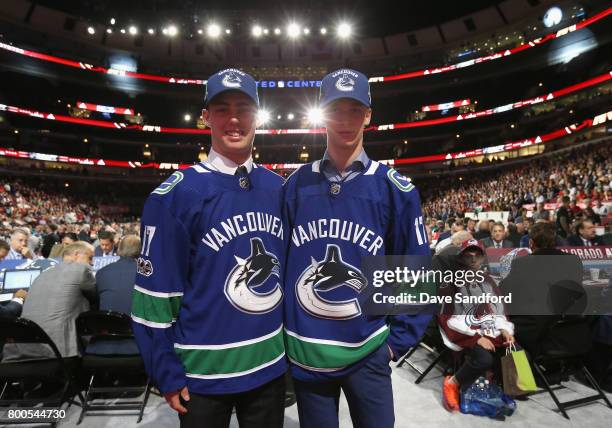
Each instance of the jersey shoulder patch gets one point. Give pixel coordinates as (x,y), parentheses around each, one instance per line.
(169,183)
(402,183)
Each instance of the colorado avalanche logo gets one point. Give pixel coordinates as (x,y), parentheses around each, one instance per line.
(345,83)
(251,273)
(231,80)
(479,314)
(327,275)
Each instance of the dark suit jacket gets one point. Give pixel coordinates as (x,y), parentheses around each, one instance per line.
(98,252)
(481,234)
(10,309)
(488,243)
(115,283)
(576,241)
(529,281)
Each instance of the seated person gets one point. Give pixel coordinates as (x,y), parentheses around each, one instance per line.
(479,329)
(497,238)
(12,308)
(57,251)
(55,300)
(19,249)
(585,235)
(530,281)
(106,247)
(115,284)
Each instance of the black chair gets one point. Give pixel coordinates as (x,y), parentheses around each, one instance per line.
(432,343)
(565,342)
(111,330)
(33,371)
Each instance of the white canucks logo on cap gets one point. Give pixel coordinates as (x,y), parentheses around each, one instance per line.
(345,83)
(231,80)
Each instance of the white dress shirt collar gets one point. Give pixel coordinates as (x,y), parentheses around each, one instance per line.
(218,162)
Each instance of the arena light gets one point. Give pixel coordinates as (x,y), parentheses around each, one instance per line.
(91,30)
(263,117)
(109,30)
(277,31)
(306,31)
(315,116)
(200,31)
(323,30)
(552,17)
(344,30)
(151,31)
(187,117)
(290,116)
(257,31)
(122,31)
(293,30)
(266,31)
(504,54)
(133,30)
(213,31)
(112,21)
(172,30)
(228,31)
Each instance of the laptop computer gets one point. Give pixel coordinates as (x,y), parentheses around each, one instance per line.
(17,279)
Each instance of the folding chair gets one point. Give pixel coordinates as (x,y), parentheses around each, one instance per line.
(567,298)
(21,331)
(571,361)
(434,344)
(109,331)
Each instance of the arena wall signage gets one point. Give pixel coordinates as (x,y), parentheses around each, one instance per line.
(374,128)
(597,120)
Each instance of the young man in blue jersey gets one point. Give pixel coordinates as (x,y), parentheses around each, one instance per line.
(339,209)
(207,304)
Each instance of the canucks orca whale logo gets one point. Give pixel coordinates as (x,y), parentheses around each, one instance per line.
(250,273)
(327,275)
(345,83)
(231,80)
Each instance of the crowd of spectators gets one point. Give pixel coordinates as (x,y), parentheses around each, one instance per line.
(583,175)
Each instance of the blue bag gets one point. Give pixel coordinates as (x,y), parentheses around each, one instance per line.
(483,398)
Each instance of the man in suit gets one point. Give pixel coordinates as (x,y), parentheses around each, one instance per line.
(445,238)
(585,235)
(19,245)
(12,308)
(57,251)
(107,244)
(530,281)
(496,240)
(483,230)
(115,283)
(55,300)
(84,233)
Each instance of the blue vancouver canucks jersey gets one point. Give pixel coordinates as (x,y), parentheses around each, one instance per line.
(207,303)
(331,227)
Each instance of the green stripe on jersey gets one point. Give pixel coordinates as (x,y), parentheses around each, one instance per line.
(154,308)
(330,355)
(233,359)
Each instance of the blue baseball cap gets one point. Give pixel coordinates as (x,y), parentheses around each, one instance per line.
(231,79)
(345,83)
